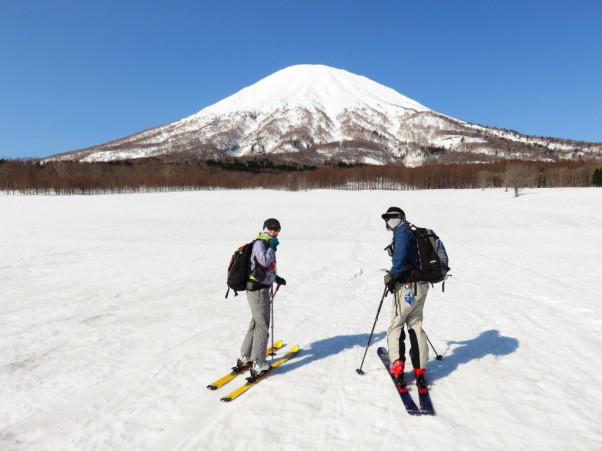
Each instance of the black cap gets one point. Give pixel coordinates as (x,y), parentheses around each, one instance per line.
(271,223)
(394,212)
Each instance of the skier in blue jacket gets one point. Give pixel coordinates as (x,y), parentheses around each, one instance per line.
(409,299)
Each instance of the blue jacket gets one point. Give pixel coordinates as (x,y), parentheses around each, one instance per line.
(405,252)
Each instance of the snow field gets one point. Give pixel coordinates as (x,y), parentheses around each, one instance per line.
(113,321)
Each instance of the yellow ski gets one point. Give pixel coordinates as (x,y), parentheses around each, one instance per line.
(243,388)
(228,377)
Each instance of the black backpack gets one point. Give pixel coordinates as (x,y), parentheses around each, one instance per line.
(239,268)
(434,262)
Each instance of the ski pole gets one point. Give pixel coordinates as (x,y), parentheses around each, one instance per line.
(272,314)
(274,292)
(359,370)
(439,356)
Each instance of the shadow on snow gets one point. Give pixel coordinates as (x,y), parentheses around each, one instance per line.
(327,347)
(487,343)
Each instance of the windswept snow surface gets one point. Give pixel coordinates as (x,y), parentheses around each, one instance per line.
(113,321)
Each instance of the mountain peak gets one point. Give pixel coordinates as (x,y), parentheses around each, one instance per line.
(315,87)
(312,112)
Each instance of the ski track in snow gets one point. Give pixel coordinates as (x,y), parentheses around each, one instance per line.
(113,321)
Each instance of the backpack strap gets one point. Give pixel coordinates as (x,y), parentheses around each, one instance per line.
(251,275)
(443,286)
(228,292)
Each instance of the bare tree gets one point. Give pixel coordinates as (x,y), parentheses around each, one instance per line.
(60,166)
(515,176)
(484,179)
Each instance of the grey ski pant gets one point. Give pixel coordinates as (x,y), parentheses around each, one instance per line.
(256,340)
(404,313)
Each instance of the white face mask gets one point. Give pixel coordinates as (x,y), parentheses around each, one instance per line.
(392,223)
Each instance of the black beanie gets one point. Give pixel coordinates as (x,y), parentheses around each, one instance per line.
(394,212)
(271,223)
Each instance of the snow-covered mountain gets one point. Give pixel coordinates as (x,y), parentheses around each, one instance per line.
(316,113)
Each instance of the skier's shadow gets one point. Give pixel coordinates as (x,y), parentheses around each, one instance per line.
(487,343)
(327,347)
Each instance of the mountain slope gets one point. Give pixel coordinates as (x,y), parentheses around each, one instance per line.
(316,113)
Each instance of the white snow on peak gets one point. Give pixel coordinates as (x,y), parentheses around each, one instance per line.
(314,87)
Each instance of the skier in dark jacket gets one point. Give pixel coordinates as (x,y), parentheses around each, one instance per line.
(263,275)
(409,299)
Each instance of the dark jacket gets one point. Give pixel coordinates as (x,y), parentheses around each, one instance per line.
(405,251)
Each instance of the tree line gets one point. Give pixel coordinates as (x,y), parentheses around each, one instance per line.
(150,175)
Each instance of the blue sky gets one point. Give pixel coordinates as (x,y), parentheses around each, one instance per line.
(78,73)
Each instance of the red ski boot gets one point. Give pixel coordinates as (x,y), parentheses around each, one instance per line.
(421,380)
(396,369)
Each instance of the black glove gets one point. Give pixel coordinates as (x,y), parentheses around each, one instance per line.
(280,280)
(390,281)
